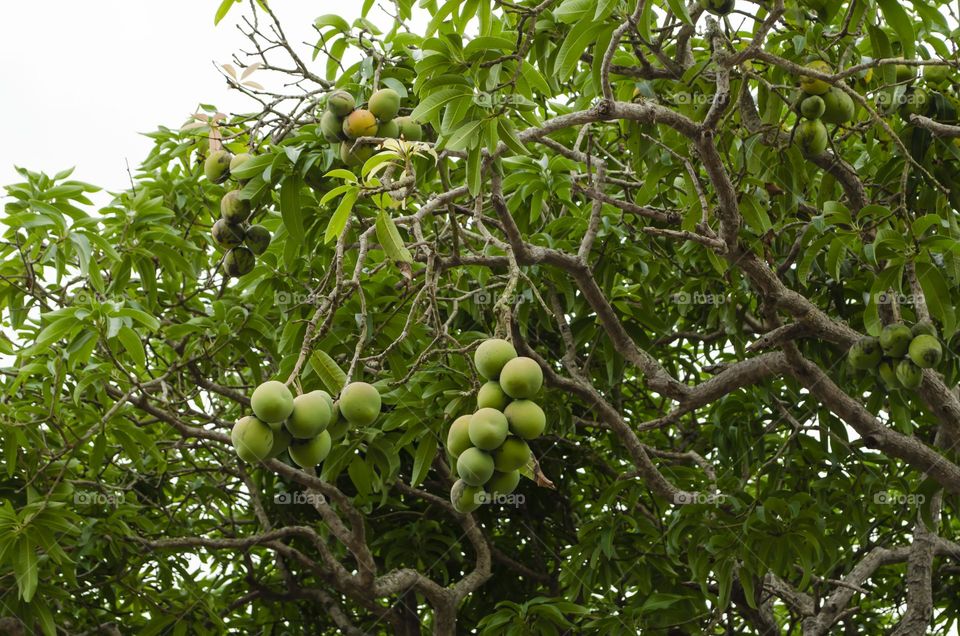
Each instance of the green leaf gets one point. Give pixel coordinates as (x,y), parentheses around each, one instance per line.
(679,8)
(133,346)
(423,458)
(894,13)
(25,568)
(329,372)
(464,137)
(339,219)
(429,109)
(938,296)
(222,11)
(290,207)
(334,20)
(390,240)
(574,44)
(474,166)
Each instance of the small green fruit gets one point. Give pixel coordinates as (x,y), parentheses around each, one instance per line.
(488,429)
(458,437)
(812,107)
(354,154)
(475,467)
(239,262)
(409,129)
(217,166)
(718,7)
(252,439)
(865,353)
(521,378)
(338,425)
(309,453)
(272,401)
(281,440)
(905,73)
(909,374)
(257,239)
(938,76)
(491,356)
(888,374)
(895,339)
(233,209)
(925,351)
(525,418)
(384,104)
(491,396)
(811,137)
(838,106)
(341,103)
(466,498)
(512,454)
(331,127)
(237,162)
(389,129)
(360,403)
(310,416)
(924,326)
(503,483)
(812,85)
(226,235)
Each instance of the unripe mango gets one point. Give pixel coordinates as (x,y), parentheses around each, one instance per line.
(227,235)
(217,166)
(360,403)
(521,378)
(272,401)
(492,355)
(309,453)
(238,262)
(310,416)
(384,104)
(233,209)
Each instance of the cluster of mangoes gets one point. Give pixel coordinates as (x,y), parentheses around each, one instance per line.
(899,355)
(300,425)
(819,104)
(342,122)
(242,241)
(490,446)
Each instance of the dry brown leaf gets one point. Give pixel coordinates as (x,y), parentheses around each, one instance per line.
(250,69)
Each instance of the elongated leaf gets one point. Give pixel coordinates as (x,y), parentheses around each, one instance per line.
(290,207)
(329,372)
(133,346)
(389,238)
(339,219)
(422,459)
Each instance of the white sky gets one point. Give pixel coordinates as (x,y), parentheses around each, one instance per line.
(79,81)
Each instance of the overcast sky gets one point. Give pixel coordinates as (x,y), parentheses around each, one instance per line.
(81,80)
